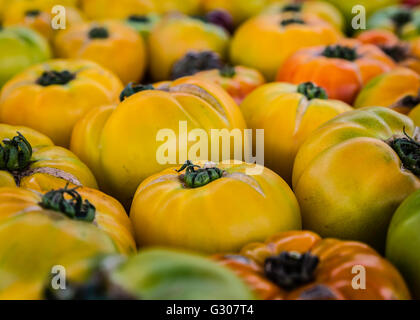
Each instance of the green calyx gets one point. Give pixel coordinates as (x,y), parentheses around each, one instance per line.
(98,33)
(195,176)
(49,78)
(340,52)
(287,22)
(312,91)
(290,270)
(292,7)
(15,153)
(401,17)
(133,88)
(32,13)
(138,18)
(227,71)
(73,207)
(408,150)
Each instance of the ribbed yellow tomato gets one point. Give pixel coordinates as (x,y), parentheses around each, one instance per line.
(123,145)
(107,213)
(288,114)
(52,96)
(353,172)
(29,158)
(34,242)
(213,208)
(112,44)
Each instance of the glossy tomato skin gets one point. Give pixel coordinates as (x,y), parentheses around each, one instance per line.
(263,43)
(53,109)
(20,48)
(49,165)
(110,216)
(45,240)
(108,140)
(341,78)
(115,46)
(239,81)
(282,111)
(389,88)
(403,241)
(349,180)
(176,35)
(333,278)
(220,216)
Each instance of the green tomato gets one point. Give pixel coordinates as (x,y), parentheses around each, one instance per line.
(403,241)
(20,48)
(403,21)
(157,274)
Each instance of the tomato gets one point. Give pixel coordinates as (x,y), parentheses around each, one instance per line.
(176,275)
(300,265)
(52,96)
(401,20)
(104,9)
(321,9)
(341,69)
(414,114)
(403,241)
(290,112)
(35,242)
(29,158)
(20,48)
(212,208)
(266,41)
(39,17)
(390,90)
(96,207)
(123,145)
(238,81)
(405,54)
(353,172)
(112,44)
(143,24)
(176,35)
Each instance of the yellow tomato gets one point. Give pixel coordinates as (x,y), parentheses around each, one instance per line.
(125,145)
(353,172)
(415,115)
(213,209)
(29,158)
(52,96)
(389,88)
(266,41)
(288,114)
(239,9)
(176,35)
(112,44)
(108,214)
(34,242)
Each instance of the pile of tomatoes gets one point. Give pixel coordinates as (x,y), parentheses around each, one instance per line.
(89,211)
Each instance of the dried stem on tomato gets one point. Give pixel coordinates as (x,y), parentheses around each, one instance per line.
(195,176)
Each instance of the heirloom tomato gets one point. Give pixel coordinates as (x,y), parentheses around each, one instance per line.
(321,9)
(403,241)
(401,20)
(176,35)
(29,158)
(239,9)
(127,144)
(266,41)
(238,81)
(40,243)
(20,48)
(299,265)
(112,44)
(52,96)
(353,172)
(175,275)
(341,69)
(78,203)
(390,89)
(405,54)
(288,114)
(212,208)
(111,9)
